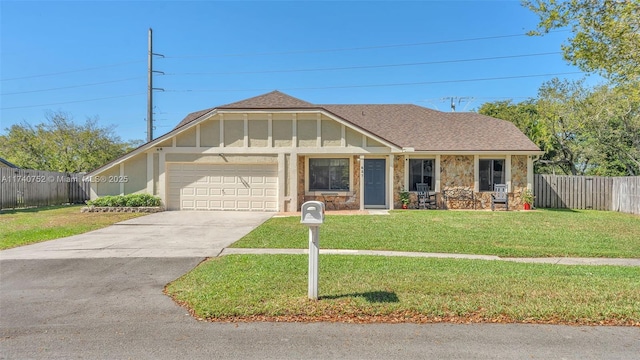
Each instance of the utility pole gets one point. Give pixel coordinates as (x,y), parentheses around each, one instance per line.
(150,87)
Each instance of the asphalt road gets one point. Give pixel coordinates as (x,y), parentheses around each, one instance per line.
(99,296)
(113,308)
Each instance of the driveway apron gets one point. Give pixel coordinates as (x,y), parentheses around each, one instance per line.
(166,234)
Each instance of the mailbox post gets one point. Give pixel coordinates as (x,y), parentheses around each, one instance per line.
(312,215)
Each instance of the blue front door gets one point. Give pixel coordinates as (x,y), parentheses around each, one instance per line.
(374,182)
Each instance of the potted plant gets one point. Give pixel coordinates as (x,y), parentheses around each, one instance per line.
(527,199)
(404,198)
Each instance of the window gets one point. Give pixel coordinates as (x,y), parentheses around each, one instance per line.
(328,174)
(491,173)
(421,171)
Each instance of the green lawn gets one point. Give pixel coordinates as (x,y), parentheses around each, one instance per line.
(540,233)
(27,226)
(392,289)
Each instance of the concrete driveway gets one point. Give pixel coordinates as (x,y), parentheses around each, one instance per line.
(166,234)
(99,296)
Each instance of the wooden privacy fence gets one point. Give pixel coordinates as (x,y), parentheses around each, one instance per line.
(587,192)
(626,195)
(20,188)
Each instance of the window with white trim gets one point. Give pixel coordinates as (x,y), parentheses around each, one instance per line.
(329,174)
(491,172)
(421,171)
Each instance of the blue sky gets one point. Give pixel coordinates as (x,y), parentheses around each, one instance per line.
(89,58)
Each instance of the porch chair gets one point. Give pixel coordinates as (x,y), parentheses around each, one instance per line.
(426,200)
(500,196)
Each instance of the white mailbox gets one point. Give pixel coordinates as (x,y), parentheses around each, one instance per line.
(312,213)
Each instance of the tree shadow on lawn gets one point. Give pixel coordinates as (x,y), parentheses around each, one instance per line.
(370,296)
(565,210)
(35,209)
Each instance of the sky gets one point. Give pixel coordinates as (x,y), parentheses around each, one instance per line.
(89,58)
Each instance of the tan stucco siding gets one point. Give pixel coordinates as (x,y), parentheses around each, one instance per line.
(374,143)
(258,133)
(210,133)
(307,133)
(353,138)
(106,184)
(282,133)
(165,143)
(331,133)
(135,170)
(217,159)
(156,172)
(187,138)
(233,133)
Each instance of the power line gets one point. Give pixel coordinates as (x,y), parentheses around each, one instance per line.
(277,53)
(387,85)
(71,71)
(73,86)
(70,102)
(293,70)
(291,52)
(366,66)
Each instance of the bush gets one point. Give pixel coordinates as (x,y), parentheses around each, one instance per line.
(131,200)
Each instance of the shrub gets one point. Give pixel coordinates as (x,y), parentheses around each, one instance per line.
(131,200)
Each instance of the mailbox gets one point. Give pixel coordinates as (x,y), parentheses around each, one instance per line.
(312,213)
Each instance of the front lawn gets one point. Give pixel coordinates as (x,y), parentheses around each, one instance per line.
(540,233)
(392,289)
(27,226)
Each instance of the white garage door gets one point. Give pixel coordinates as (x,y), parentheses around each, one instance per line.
(222,187)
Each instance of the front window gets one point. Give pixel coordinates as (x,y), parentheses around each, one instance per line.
(328,174)
(420,171)
(491,173)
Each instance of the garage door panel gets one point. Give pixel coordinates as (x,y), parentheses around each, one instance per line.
(222,187)
(271,193)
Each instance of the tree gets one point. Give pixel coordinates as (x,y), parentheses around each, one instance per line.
(582,130)
(606,34)
(59,144)
(614,126)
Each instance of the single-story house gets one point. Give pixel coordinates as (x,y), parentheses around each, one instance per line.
(273,152)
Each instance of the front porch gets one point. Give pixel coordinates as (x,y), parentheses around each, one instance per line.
(458,181)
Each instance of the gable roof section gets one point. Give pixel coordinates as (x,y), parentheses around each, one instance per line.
(272,100)
(430,130)
(404,125)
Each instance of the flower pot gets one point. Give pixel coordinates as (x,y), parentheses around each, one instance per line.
(404,206)
(527,206)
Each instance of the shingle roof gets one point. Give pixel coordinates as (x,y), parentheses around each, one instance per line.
(405,125)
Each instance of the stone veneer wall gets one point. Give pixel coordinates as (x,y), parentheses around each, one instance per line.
(456,174)
(518,180)
(398,179)
(348,202)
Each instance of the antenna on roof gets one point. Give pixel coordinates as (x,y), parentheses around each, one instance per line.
(454,99)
